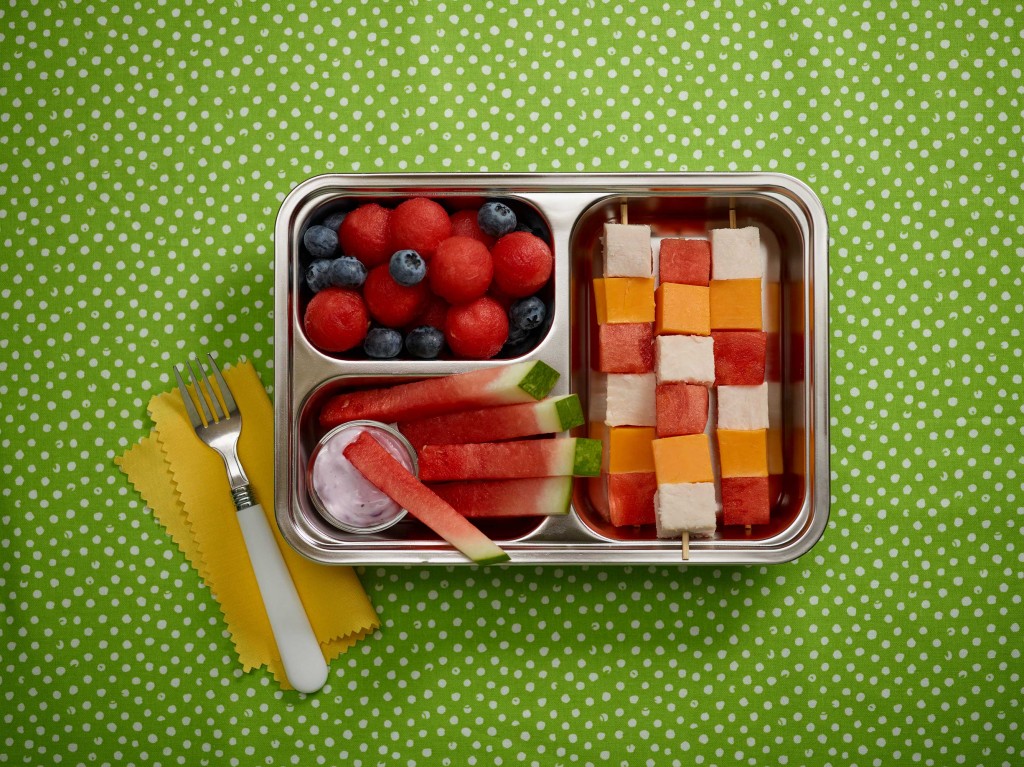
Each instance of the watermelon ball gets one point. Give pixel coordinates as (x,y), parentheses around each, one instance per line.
(476,330)
(366,234)
(420,224)
(527,313)
(320,241)
(496,219)
(434,314)
(425,342)
(464,225)
(382,343)
(318,274)
(407,267)
(522,264)
(334,220)
(461,270)
(336,320)
(391,304)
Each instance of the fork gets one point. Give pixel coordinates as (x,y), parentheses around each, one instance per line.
(219,426)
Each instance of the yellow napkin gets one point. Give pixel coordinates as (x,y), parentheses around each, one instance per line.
(184,483)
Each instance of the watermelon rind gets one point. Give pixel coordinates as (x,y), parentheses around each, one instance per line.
(539,381)
(587,458)
(570,412)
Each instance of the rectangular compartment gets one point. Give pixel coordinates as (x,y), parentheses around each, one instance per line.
(794,236)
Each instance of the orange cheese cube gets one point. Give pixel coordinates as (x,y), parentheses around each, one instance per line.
(683,310)
(624,299)
(685,459)
(743,453)
(735,304)
(630,450)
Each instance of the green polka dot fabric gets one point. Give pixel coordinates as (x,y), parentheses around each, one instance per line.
(145,149)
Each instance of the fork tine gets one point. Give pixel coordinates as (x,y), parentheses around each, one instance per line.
(204,405)
(225,391)
(190,407)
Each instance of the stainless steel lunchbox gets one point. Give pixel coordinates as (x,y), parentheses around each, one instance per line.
(794,231)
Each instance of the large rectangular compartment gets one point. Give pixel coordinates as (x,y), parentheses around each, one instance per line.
(574,209)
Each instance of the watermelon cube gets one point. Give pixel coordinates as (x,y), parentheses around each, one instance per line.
(625,348)
(385,471)
(745,501)
(682,408)
(739,357)
(685,261)
(631,498)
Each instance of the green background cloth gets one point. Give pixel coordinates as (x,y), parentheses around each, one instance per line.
(144,152)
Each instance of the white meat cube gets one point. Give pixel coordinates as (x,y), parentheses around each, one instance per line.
(689,507)
(736,254)
(690,359)
(627,250)
(743,407)
(630,399)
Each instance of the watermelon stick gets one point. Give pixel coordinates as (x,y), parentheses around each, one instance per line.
(488,387)
(398,483)
(493,424)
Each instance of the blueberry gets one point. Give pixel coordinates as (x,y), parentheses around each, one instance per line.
(425,342)
(334,220)
(496,219)
(528,313)
(318,274)
(519,341)
(382,343)
(347,272)
(407,268)
(320,241)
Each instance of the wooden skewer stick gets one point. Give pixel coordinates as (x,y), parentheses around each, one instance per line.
(686,545)
(624,213)
(732,212)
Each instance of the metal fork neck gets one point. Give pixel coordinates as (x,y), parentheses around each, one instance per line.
(241,493)
(243,497)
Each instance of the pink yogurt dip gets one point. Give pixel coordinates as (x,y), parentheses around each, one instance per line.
(341,493)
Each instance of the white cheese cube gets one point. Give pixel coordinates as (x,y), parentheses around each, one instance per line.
(690,359)
(627,250)
(743,407)
(736,254)
(689,507)
(630,400)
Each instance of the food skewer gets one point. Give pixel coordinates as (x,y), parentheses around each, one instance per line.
(748,529)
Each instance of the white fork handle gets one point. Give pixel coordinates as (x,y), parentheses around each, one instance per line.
(304,663)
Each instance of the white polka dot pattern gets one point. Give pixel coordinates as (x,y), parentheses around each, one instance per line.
(144,152)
